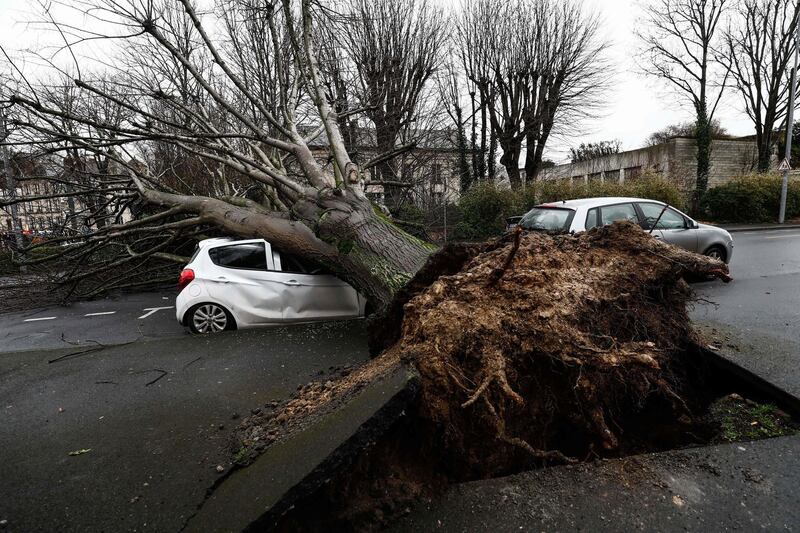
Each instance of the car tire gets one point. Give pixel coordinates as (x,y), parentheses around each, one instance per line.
(209,317)
(716,252)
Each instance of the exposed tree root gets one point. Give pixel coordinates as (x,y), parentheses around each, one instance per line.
(583,348)
(578,337)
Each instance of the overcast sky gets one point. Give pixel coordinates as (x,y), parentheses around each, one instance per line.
(636,106)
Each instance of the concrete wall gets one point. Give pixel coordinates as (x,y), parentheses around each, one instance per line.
(676,159)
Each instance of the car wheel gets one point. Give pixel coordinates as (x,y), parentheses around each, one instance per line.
(716,252)
(209,318)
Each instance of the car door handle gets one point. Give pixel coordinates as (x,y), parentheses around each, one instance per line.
(292,282)
(222,279)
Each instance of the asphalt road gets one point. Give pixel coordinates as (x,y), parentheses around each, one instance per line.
(115,320)
(154,405)
(155,412)
(755,319)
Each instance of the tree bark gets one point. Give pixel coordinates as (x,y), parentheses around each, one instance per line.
(338,229)
(510,160)
(703,136)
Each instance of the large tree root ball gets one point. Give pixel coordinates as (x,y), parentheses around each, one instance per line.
(551,345)
(532,349)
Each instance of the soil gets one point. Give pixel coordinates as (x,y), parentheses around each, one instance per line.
(532,349)
(278,419)
(733,418)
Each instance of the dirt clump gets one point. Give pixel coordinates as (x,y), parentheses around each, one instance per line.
(532,349)
(310,401)
(546,347)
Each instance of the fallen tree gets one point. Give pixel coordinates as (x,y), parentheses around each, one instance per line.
(205,120)
(531,349)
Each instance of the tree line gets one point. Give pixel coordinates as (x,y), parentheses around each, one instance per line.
(276,118)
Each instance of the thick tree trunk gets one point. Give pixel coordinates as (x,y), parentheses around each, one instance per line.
(703,136)
(510,160)
(536,142)
(337,228)
(464,174)
(372,253)
(386,135)
(764,156)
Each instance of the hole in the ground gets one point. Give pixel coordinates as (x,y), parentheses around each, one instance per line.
(414,461)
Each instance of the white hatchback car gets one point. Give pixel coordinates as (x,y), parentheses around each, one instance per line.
(231,284)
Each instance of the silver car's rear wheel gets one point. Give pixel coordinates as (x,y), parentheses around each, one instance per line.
(209,318)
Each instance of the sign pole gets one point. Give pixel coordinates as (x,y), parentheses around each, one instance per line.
(785,165)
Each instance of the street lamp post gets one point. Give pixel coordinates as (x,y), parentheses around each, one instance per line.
(789,129)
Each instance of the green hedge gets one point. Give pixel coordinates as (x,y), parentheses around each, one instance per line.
(485,207)
(751,198)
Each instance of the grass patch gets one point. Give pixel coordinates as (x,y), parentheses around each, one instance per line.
(739,419)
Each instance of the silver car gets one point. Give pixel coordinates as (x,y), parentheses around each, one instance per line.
(672,226)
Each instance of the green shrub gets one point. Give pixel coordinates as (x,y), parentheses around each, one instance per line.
(484,209)
(652,187)
(656,188)
(751,198)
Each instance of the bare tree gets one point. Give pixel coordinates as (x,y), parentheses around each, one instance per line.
(758,48)
(231,115)
(450,90)
(535,64)
(680,38)
(395,47)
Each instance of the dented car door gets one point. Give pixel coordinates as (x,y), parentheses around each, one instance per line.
(308,296)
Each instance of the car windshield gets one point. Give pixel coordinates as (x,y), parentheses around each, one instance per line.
(547,219)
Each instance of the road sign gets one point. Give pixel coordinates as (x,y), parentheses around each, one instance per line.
(784,165)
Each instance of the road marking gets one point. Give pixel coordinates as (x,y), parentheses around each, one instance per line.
(151,310)
(38,319)
(100,314)
(793,235)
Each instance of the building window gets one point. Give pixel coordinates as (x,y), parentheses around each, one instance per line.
(436,174)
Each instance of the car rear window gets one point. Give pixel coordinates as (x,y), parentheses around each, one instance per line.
(252,255)
(547,219)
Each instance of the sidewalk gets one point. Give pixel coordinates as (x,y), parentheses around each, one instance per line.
(733,228)
(740,486)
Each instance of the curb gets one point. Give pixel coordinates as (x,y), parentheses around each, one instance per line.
(782,227)
(255,497)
